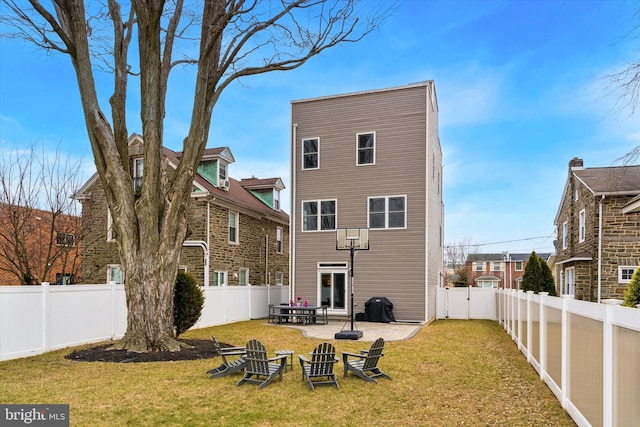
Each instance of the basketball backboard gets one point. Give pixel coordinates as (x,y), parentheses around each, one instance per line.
(356,238)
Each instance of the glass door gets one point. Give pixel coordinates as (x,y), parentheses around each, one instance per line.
(332,289)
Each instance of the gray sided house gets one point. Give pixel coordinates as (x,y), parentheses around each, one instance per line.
(239,233)
(598,223)
(368,160)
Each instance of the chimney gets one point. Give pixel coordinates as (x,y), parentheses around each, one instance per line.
(576,163)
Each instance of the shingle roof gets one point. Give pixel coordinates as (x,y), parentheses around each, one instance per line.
(611,180)
(501,256)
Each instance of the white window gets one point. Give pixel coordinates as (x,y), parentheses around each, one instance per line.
(114,274)
(366,148)
(625,273)
(111,231)
(219,278)
(478,266)
(577,197)
(276,200)
(565,238)
(581,226)
(311,153)
(233,227)
(137,174)
(222,174)
(279,240)
(496,266)
(319,215)
(243,276)
(569,281)
(387,212)
(518,265)
(279,277)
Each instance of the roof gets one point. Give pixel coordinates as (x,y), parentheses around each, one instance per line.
(262,183)
(617,180)
(502,256)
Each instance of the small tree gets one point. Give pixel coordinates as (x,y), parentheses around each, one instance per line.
(632,293)
(548,284)
(532,279)
(462,280)
(188,301)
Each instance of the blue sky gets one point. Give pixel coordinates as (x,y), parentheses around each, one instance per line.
(520,88)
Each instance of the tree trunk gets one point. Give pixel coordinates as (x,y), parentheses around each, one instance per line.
(149,286)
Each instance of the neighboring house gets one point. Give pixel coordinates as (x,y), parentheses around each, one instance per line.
(368,160)
(31,238)
(500,270)
(598,223)
(239,234)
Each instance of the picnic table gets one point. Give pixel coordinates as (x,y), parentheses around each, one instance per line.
(285,313)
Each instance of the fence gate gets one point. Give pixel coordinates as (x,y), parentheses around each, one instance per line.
(466,303)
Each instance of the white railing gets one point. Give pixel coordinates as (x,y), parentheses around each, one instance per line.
(37,319)
(587,353)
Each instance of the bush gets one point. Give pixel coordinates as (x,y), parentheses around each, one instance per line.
(187,303)
(632,293)
(532,279)
(548,284)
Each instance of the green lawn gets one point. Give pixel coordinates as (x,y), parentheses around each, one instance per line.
(451,373)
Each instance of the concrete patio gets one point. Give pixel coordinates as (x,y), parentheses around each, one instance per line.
(371,331)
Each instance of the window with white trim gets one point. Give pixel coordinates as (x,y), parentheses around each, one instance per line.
(581,226)
(319,215)
(222,174)
(138,167)
(311,153)
(478,266)
(219,278)
(496,266)
(111,231)
(233,227)
(279,277)
(276,200)
(625,273)
(518,265)
(387,212)
(569,281)
(243,276)
(114,274)
(279,240)
(565,238)
(366,148)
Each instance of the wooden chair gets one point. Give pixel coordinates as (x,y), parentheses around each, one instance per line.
(366,365)
(319,370)
(259,369)
(228,366)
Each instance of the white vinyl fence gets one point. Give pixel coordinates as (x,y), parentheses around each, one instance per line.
(587,353)
(37,319)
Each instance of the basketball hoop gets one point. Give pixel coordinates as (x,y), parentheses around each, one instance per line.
(351,239)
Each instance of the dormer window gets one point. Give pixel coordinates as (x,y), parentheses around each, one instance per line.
(137,174)
(276,199)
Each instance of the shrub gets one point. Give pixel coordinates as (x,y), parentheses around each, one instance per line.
(187,303)
(548,284)
(632,293)
(532,279)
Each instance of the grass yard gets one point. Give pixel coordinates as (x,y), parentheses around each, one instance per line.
(452,373)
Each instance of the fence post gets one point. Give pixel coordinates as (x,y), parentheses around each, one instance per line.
(529,325)
(607,364)
(46,317)
(543,334)
(566,349)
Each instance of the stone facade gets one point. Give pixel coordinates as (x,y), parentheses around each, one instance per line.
(208,246)
(594,195)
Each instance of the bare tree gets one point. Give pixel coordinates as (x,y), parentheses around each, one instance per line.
(626,83)
(455,256)
(236,39)
(40,226)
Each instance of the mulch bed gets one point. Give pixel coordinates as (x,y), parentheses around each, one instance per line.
(200,349)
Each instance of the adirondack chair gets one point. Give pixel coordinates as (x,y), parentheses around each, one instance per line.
(260,369)
(235,363)
(319,370)
(366,364)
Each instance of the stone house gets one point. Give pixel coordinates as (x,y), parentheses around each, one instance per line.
(598,226)
(498,270)
(239,234)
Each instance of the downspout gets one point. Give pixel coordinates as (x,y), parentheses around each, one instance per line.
(205,249)
(266,259)
(600,247)
(292,217)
